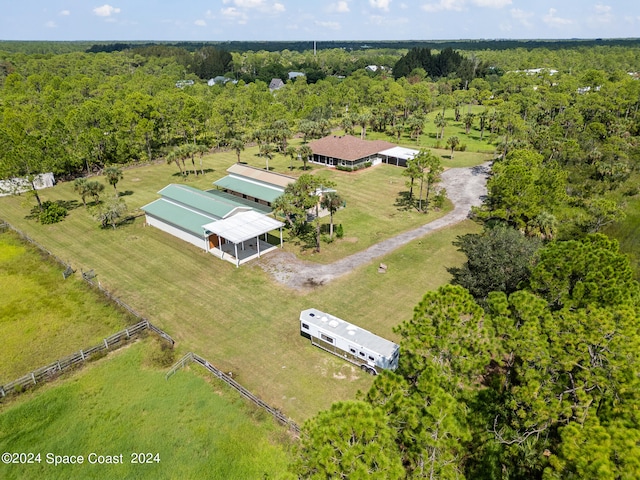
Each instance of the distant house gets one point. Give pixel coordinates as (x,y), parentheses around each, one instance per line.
(219,80)
(18,185)
(231,228)
(254,184)
(276,84)
(348,151)
(372,68)
(293,75)
(184,83)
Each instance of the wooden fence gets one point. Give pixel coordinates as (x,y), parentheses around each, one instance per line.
(52,370)
(277,414)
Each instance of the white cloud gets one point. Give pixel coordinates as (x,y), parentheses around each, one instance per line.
(442,5)
(246,5)
(602,14)
(522,17)
(64,13)
(105,10)
(329,25)
(51,24)
(338,7)
(209,14)
(200,23)
(381,4)
(233,13)
(491,3)
(387,21)
(553,21)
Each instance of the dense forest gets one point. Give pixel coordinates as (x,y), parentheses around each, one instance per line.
(526,366)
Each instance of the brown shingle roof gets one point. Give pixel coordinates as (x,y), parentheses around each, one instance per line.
(347,147)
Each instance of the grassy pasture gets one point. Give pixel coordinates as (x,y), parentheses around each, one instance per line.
(42,316)
(428,139)
(240,319)
(122,404)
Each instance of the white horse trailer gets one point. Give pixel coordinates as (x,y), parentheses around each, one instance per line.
(356,345)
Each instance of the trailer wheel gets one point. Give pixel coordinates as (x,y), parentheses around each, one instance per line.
(371,371)
(364,368)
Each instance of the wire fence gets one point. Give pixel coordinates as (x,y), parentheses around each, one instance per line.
(277,414)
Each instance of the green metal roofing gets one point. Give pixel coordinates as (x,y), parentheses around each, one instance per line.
(213,203)
(248,188)
(179,216)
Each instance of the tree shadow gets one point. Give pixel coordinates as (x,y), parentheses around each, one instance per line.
(126,193)
(404,202)
(68,204)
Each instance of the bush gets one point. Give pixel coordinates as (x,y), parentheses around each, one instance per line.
(162,355)
(339,231)
(51,213)
(439,198)
(462,147)
(326,239)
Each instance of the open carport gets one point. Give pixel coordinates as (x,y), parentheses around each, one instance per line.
(237,239)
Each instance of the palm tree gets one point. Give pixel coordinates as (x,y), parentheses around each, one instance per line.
(416,125)
(291,152)
(440,122)
(80,186)
(452,143)
(468,122)
(304,153)
(237,145)
(267,150)
(363,121)
(332,202)
(113,175)
(175,155)
(94,189)
(483,122)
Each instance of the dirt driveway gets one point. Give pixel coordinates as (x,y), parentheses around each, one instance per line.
(465,187)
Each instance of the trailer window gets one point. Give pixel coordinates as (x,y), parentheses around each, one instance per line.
(305,326)
(371,358)
(362,354)
(326,338)
(352,350)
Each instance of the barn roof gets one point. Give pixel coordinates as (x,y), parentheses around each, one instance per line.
(346,147)
(184,218)
(251,189)
(260,175)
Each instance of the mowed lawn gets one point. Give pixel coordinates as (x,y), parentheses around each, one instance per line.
(42,316)
(239,318)
(196,426)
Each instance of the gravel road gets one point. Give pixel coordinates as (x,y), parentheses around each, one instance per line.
(466,187)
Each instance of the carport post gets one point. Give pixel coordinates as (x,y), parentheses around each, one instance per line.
(258,244)
(280,237)
(235,245)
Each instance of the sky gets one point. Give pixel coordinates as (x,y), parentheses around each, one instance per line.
(282,20)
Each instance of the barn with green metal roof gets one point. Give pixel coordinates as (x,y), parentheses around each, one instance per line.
(190,214)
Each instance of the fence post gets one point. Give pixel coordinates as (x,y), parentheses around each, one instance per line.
(59,367)
(33,377)
(127,331)
(82,355)
(106,344)
(2,391)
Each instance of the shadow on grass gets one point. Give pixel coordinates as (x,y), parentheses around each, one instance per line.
(404,201)
(126,193)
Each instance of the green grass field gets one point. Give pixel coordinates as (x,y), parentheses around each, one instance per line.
(240,319)
(42,316)
(122,404)
(428,139)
